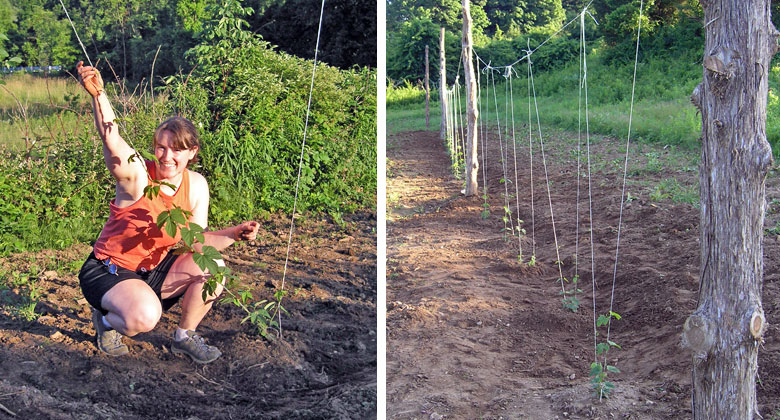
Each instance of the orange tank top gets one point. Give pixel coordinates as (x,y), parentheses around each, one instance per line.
(131,237)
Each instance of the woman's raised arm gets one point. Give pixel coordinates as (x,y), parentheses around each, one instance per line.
(116,151)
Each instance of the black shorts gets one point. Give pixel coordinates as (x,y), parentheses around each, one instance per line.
(97,278)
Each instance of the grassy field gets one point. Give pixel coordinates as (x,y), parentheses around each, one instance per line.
(35,109)
(663,112)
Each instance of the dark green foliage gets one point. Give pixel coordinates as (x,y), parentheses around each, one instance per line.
(349,35)
(250,102)
(514,18)
(40,38)
(127,34)
(670,28)
(54,197)
(556,53)
(406,51)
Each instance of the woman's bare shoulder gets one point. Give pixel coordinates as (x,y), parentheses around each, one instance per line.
(198,181)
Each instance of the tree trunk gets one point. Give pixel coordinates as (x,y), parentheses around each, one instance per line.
(427,92)
(442,86)
(472,164)
(726,329)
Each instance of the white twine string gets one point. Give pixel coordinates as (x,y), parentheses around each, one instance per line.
(300,161)
(77,34)
(558,261)
(625,171)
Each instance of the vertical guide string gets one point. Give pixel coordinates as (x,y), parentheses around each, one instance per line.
(558,261)
(531,157)
(517,188)
(584,54)
(483,132)
(300,161)
(77,34)
(625,170)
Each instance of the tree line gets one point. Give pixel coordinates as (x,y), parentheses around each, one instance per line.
(127,33)
(503,29)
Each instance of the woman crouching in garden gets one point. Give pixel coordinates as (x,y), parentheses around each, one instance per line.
(131,275)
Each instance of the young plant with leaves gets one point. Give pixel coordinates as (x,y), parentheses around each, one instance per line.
(599,371)
(570,300)
(260,314)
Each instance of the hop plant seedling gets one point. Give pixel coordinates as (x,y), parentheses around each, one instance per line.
(570,300)
(485,208)
(599,372)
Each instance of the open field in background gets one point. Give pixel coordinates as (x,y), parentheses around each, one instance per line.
(663,112)
(39,89)
(39,108)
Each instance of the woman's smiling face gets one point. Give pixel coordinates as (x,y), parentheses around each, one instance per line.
(171,162)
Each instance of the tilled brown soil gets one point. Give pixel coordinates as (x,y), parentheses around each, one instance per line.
(472,333)
(324,367)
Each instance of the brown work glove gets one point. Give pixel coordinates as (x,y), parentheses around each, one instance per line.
(90,79)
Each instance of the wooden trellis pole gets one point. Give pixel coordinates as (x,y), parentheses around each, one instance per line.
(725,331)
(472,163)
(427,92)
(442,86)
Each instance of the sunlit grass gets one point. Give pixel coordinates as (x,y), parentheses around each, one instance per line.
(30,90)
(38,109)
(412,119)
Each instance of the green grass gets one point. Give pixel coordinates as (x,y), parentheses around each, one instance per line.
(671,189)
(399,96)
(31,89)
(401,120)
(37,109)
(662,110)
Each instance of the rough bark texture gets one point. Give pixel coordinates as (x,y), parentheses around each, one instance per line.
(472,164)
(724,332)
(427,92)
(442,86)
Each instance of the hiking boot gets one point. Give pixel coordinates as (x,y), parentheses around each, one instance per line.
(196,348)
(108,341)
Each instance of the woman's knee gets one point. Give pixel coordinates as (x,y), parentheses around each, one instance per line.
(144,317)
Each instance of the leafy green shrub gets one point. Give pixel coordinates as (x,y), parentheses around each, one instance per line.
(556,53)
(53,197)
(250,103)
(406,51)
